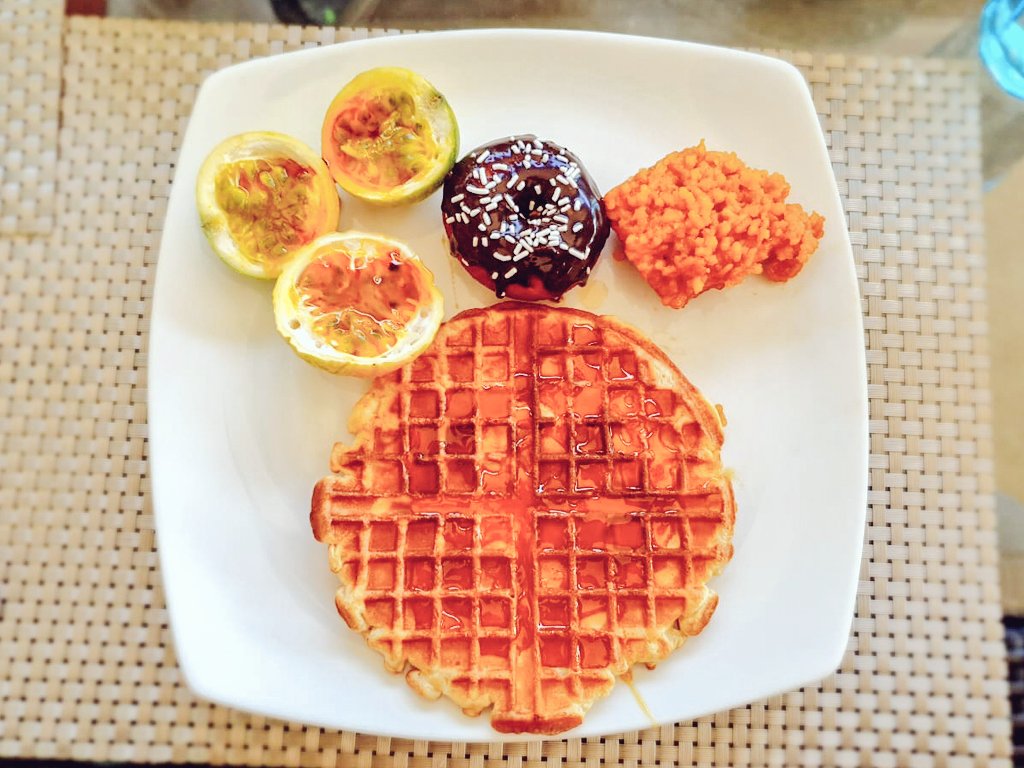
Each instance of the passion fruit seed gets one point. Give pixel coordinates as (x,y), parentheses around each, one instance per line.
(382,140)
(329,291)
(267,205)
(389,136)
(354,333)
(356,303)
(326,284)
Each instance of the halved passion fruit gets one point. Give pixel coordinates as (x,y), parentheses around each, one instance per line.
(357,304)
(261,196)
(389,137)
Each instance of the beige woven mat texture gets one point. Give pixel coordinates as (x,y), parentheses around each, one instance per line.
(30,61)
(88,668)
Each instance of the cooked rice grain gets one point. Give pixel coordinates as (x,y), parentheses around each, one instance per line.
(698,220)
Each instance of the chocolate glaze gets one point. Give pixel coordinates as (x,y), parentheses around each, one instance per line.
(524,217)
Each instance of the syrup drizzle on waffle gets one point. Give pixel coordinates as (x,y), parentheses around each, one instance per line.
(531,507)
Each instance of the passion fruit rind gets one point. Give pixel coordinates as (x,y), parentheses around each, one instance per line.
(312,212)
(393,141)
(297,321)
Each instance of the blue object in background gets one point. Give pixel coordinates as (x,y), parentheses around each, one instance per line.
(1002,43)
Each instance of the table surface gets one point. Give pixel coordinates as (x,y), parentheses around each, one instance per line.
(90,672)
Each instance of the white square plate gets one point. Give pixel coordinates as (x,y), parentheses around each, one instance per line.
(241,428)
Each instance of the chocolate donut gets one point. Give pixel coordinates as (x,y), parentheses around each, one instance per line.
(524,218)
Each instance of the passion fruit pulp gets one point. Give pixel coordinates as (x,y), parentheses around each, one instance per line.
(260,197)
(362,307)
(356,303)
(389,137)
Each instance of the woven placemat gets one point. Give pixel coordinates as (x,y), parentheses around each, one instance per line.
(1015,654)
(30,53)
(89,671)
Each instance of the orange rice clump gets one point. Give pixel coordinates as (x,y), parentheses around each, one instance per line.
(699,220)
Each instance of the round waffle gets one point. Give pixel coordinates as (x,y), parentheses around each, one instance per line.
(531,507)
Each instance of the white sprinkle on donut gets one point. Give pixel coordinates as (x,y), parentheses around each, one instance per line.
(552,221)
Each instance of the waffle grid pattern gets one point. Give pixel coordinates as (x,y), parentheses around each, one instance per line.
(452,608)
(30,39)
(601,594)
(625,580)
(610,412)
(462,434)
(458,610)
(84,642)
(589,393)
